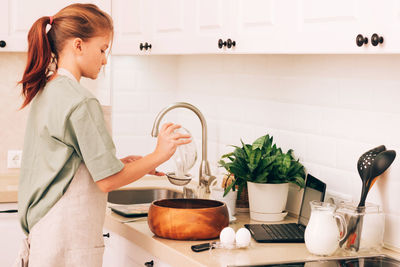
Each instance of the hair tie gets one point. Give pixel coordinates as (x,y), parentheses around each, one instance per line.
(51,20)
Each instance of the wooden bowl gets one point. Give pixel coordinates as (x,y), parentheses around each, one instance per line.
(187,219)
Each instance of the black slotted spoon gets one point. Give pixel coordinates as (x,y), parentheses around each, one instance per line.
(364,166)
(370,166)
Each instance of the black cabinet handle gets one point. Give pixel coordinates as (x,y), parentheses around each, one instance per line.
(2,43)
(8,211)
(107,235)
(149,263)
(145,46)
(230,43)
(221,43)
(361,40)
(376,39)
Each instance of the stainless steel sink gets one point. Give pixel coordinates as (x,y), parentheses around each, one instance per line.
(367,261)
(139,196)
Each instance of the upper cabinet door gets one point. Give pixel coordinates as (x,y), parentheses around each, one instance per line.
(263,26)
(213,25)
(171,27)
(329,26)
(132,26)
(383,26)
(347,26)
(151,26)
(17,17)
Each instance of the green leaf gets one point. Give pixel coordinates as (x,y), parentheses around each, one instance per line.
(239,153)
(228,188)
(227,155)
(259,143)
(239,173)
(262,178)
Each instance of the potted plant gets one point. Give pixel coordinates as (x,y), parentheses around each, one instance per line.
(263,166)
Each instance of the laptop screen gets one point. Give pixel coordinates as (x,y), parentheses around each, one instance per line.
(314,190)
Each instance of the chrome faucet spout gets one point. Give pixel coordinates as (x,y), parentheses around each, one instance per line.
(204,172)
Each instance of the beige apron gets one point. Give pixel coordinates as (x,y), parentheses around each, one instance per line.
(71,233)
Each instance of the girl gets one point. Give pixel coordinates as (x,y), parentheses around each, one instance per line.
(69,161)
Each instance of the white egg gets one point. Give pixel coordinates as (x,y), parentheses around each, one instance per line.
(227,237)
(243,238)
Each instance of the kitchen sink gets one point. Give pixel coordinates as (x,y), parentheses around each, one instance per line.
(366,261)
(140,196)
(136,202)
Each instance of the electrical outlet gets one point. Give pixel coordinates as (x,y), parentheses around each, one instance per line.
(336,197)
(14,159)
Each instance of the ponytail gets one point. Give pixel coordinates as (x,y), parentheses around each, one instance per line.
(39,58)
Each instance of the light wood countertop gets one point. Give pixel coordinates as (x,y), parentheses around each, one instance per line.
(179,253)
(8,188)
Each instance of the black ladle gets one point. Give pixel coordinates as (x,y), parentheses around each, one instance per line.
(364,165)
(369,169)
(380,164)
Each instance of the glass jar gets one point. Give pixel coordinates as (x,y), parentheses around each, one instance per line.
(365,227)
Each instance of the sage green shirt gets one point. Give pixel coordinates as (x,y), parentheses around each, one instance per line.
(65,127)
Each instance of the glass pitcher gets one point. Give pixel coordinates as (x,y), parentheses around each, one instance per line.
(322,234)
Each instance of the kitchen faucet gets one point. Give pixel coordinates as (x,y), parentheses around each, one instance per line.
(205,177)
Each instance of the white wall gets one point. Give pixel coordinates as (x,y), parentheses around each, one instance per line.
(328,108)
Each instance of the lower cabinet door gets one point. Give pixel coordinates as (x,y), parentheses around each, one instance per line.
(119,251)
(11,235)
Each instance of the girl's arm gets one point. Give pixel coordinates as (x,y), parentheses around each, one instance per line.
(167,143)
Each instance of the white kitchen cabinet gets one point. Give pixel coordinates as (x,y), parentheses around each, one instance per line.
(256,26)
(11,235)
(119,251)
(331,26)
(151,26)
(17,17)
(212,21)
(132,19)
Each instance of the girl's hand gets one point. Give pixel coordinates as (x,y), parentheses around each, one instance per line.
(168,140)
(157,173)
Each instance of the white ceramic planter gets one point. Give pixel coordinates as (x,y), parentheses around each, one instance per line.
(267,201)
(217,193)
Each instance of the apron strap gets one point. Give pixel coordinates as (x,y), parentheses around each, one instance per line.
(23,256)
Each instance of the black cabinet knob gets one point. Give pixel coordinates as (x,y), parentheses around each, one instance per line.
(107,235)
(2,43)
(230,43)
(149,263)
(145,46)
(221,43)
(361,40)
(376,39)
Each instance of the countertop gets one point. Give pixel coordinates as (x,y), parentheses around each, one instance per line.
(9,187)
(179,253)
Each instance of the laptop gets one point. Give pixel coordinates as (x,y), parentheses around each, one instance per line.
(291,232)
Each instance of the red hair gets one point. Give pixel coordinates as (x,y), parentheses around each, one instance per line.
(74,21)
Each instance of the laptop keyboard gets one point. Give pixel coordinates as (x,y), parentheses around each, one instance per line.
(288,232)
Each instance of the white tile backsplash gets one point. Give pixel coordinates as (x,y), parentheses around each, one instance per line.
(328,108)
